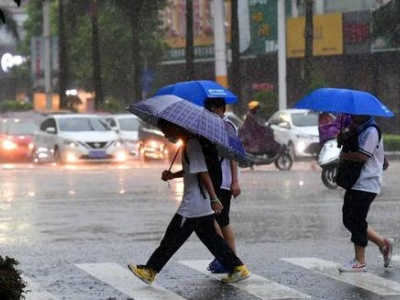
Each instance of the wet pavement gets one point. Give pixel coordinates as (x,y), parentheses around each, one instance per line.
(73,229)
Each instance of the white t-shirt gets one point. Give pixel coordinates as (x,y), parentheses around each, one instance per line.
(370,179)
(194,204)
(226,165)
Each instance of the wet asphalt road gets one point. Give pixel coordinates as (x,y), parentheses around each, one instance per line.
(54,218)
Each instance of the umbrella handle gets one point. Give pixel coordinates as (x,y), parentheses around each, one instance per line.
(172,162)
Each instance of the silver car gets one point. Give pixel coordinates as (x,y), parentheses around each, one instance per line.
(76,138)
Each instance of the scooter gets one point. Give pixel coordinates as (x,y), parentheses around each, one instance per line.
(282,161)
(328,160)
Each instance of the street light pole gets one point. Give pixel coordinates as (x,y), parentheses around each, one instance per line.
(47,54)
(219,43)
(282,54)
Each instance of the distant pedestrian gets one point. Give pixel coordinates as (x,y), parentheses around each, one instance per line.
(363,145)
(194,213)
(229,187)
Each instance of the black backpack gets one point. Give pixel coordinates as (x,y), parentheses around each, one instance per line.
(213,162)
(348,172)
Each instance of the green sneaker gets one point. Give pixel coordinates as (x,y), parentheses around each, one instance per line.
(144,273)
(238,274)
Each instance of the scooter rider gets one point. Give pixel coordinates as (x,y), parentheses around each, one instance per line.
(256,137)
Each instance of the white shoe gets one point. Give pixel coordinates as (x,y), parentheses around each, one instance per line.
(354,266)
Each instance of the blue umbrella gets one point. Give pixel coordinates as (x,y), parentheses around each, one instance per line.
(197,91)
(344,101)
(195,119)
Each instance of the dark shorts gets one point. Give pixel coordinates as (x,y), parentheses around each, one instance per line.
(355,211)
(223,218)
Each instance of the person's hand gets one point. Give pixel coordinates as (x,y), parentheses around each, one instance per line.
(235,189)
(216,206)
(167,175)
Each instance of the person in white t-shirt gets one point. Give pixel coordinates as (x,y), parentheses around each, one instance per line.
(229,187)
(367,147)
(194,213)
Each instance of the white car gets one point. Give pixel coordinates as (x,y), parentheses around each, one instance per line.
(298,129)
(76,138)
(127,126)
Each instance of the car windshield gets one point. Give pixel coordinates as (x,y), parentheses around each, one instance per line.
(129,124)
(305,119)
(21,128)
(83,124)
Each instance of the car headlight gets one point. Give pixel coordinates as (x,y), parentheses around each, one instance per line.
(119,143)
(70,143)
(8,145)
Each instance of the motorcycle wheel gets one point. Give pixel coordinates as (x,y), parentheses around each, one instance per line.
(328,176)
(283,162)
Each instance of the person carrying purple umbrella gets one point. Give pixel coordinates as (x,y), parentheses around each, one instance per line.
(195,213)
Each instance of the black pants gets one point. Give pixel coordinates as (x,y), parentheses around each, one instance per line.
(180,229)
(355,210)
(225,197)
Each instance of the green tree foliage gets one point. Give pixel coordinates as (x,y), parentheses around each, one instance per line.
(386,23)
(12,105)
(12,287)
(121,63)
(268,102)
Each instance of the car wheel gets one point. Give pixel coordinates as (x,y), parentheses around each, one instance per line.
(292,150)
(57,157)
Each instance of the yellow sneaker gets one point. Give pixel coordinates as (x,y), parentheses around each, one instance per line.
(144,273)
(238,274)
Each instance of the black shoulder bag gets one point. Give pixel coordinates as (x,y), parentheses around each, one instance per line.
(349,171)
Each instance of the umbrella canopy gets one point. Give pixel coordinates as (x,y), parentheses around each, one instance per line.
(344,101)
(195,119)
(197,91)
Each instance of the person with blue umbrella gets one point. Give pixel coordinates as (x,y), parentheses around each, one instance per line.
(194,213)
(360,172)
(225,188)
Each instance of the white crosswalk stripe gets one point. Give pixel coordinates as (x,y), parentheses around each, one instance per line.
(35,292)
(255,285)
(123,280)
(366,280)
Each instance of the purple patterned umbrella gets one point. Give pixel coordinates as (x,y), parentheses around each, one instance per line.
(195,119)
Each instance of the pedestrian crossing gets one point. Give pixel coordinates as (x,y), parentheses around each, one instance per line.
(257,287)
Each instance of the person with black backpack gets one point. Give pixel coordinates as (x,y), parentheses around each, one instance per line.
(194,213)
(226,185)
(362,148)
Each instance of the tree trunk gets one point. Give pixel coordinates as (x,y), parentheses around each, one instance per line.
(63,54)
(236,76)
(98,86)
(308,51)
(189,49)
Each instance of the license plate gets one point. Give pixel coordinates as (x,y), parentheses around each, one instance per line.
(97,154)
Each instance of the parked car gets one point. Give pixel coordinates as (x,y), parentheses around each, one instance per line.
(153,145)
(298,129)
(76,138)
(127,126)
(16,139)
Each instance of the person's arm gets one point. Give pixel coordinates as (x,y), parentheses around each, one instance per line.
(168,175)
(235,187)
(353,156)
(216,205)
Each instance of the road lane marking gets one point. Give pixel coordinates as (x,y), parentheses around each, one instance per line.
(364,280)
(123,280)
(255,285)
(35,291)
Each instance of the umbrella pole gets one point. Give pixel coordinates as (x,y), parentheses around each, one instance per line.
(173,160)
